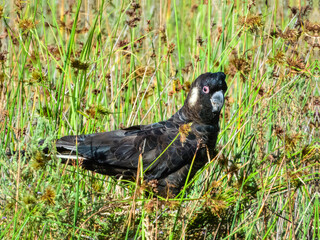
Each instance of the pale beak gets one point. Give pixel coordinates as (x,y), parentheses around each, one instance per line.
(217,101)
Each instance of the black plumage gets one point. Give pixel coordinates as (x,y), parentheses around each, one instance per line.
(116,153)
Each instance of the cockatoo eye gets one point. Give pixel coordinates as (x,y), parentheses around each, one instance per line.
(205,89)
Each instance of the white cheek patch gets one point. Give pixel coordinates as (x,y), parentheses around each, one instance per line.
(194,96)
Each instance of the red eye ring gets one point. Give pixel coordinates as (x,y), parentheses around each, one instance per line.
(205,89)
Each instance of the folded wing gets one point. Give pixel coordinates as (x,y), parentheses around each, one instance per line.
(117,152)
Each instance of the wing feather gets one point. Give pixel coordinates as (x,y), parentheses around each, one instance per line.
(117,151)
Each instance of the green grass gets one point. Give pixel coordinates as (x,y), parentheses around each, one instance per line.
(90,67)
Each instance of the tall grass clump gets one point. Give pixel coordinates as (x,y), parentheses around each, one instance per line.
(78,67)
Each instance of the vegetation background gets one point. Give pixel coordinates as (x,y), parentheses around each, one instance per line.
(76,67)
